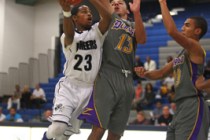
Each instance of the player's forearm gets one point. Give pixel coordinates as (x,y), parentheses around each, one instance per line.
(167,19)
(68,28)
(205,85)
(103,7)
(140,32)
(154,75)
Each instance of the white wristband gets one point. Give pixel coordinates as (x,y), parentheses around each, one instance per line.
(67,14)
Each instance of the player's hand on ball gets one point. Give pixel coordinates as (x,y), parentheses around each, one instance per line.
(135,5)
(140,71)
(65,5)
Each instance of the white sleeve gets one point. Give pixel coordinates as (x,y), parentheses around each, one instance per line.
(66,49)
(62,40)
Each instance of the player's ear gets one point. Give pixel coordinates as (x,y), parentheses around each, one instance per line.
(74,18)
(198,31)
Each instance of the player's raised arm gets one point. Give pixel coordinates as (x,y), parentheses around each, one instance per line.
(105,11)
(139,27)
(187,40)
(68,25)
(155,74)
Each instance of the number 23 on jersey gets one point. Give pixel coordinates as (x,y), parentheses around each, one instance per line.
(88,62)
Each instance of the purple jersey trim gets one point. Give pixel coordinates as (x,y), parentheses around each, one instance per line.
(198,124)
(194,70)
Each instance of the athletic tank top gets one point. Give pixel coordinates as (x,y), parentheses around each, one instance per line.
(83,56)
(185,74)
(120,44)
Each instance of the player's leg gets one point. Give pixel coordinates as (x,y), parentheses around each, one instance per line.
(204,129)
(189,118)
(112,136)
(121,110)
(63,137)
(62,109)
(170,132)
(56,130)
(82,95)
(100,107)
(71,130)
(96,133)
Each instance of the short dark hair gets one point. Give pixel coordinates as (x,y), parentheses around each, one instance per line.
(201,23)
(75,10)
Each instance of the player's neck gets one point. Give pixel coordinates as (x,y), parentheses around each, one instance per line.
(125,17)
(79,29)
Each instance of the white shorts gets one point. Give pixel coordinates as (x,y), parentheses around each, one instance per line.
(69,102)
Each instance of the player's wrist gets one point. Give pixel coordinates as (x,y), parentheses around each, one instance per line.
(67,14)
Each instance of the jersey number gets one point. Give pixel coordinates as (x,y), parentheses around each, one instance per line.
(126,49)
(79,58)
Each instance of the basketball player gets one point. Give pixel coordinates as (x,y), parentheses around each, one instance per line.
(191,120)
(82,47)
(113,91)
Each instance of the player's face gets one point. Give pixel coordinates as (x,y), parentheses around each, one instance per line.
(119,7)
(84,17)
(189,28)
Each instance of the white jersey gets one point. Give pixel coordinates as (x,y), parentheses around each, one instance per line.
(83,56)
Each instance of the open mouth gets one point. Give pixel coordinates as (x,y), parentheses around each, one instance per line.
(116,8)
(89,19)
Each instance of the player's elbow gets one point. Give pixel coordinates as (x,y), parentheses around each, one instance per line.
(172,32)
(142,40)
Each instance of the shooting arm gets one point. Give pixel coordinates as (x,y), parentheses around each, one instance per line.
(104,9)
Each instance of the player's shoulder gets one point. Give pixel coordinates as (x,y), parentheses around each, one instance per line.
(95,25)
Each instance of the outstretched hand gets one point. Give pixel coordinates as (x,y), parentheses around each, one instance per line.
(140,71)
(65,5)
(135,6)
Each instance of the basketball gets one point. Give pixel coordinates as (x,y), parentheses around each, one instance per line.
(74,2)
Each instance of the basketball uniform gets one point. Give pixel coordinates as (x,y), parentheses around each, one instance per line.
(191,120)
(109,107)
(73,91)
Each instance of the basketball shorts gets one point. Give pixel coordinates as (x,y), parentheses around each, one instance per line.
(190,121)
(69,102)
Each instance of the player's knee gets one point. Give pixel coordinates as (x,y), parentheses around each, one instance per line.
(97,133)
(98,130)
(113,136)
(58,128)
